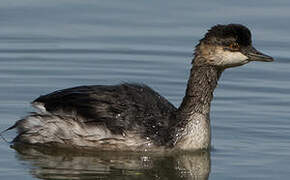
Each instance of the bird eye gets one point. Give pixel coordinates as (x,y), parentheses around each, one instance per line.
(234,46)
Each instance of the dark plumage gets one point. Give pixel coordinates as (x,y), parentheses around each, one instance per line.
(225,34)
(120,108)
(134,117)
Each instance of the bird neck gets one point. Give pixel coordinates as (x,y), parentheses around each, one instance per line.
(193,127)
(199,92)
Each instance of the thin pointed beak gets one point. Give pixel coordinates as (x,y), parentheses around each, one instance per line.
(255,55)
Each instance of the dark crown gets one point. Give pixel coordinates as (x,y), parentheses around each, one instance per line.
(223,34)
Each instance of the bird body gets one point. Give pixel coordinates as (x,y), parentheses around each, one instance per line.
(133,116)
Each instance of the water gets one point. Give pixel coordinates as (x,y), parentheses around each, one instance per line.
(49,45)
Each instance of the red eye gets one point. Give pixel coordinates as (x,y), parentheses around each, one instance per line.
(234,46)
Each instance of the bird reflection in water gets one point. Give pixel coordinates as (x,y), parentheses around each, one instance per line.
(46,163)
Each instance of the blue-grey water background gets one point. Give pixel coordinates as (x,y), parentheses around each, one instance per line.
(50,45)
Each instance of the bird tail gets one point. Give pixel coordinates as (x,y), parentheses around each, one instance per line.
(46,128)
(2,132)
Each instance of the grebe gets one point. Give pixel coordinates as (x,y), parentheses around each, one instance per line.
(133,116)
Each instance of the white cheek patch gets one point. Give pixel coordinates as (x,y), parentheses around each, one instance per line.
(228,58)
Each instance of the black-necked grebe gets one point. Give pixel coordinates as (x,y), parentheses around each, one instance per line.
(134,117)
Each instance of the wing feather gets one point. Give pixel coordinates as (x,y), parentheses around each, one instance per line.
(120,108)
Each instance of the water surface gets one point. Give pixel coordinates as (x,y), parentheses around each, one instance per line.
(50,45)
